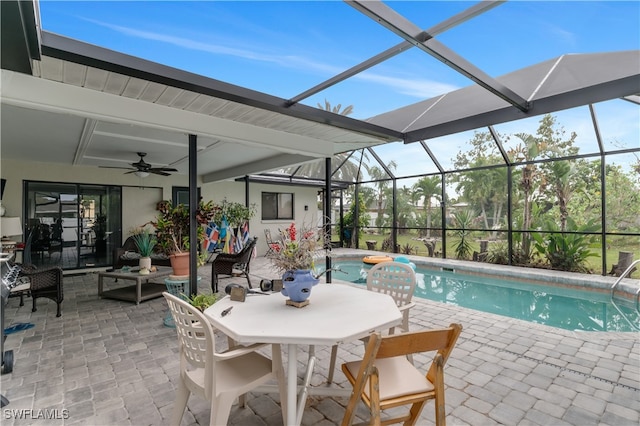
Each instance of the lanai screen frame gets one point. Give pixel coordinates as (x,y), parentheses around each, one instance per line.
(300,173)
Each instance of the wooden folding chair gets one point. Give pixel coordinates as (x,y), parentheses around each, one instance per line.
(385,378)
(395,279)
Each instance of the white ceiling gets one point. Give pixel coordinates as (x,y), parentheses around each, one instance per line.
(79,115)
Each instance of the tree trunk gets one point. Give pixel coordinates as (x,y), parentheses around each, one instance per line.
(625,258)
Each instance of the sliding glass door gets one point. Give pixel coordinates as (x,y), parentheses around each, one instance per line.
(75,226)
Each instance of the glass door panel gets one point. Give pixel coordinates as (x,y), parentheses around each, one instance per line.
(72,224)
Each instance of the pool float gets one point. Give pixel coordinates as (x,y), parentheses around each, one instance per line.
(372,260)
(402,259)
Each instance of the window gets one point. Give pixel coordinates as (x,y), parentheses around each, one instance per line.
(276,205)
(180,195)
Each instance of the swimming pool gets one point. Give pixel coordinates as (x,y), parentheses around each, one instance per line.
(559,307)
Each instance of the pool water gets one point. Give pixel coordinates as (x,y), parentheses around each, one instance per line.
(543,304)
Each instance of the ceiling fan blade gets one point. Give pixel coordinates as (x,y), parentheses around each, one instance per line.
(163,169)
(158,172)
(114,167)
(142,166)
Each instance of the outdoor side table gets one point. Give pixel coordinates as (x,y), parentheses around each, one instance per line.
(175,287)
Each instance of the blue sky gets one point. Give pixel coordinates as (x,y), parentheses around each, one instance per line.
(285,48)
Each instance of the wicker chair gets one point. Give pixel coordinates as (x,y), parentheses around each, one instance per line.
(43,282)
(227,264)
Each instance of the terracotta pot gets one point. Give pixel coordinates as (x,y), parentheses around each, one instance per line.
(180,263)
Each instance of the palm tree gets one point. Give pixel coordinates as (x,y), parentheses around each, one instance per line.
(336,109)
(348,172)
(428,187)
(382,178)
(562,177)
(528,150)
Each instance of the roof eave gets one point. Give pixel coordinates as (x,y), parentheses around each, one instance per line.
(75,51)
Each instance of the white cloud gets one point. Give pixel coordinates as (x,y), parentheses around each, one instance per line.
(410,86)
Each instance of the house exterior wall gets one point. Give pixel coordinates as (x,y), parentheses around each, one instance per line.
(134,188)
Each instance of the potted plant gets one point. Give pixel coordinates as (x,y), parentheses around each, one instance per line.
(294,254)
(145,242)
(203,300)
(235,213)
(172,231)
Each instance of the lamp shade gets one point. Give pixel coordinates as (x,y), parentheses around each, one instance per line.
(141,173)
(10,226)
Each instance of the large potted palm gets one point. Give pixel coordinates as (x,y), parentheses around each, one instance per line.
(172,231)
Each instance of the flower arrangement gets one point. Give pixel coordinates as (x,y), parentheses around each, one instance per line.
(296,250)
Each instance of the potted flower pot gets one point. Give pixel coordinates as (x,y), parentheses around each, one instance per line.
(144,263)
(296,285)
(180,264)
(172,232)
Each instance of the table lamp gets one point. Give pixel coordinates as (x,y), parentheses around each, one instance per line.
(10,226)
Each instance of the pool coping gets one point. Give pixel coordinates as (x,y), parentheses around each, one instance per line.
(627,287)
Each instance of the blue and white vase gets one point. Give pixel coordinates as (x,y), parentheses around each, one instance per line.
(296,285)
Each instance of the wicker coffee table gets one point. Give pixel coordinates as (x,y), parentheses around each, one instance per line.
(142,290)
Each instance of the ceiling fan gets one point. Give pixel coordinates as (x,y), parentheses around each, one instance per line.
(142,169)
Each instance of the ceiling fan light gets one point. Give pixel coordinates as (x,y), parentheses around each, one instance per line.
(141,174)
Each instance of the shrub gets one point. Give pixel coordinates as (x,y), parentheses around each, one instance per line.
(463,221)
(407,249)
(567,251)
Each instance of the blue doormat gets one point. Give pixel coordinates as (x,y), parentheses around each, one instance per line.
(17,327)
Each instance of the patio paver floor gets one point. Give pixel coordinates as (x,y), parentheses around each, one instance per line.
(107,362)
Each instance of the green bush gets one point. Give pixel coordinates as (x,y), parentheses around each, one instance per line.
(567,252)
(463,220)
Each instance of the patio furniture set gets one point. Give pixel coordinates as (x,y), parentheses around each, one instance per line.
(337,313)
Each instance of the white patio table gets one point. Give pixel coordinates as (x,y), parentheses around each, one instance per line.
(337,313)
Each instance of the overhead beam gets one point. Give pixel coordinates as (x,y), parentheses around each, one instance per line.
(396,23)
(457,19)
(278,161)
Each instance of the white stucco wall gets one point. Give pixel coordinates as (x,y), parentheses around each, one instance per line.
(139,194)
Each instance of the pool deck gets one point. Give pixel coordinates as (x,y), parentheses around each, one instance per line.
(109,362)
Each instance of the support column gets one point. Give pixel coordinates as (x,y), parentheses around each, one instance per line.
(193,207)
(326,221)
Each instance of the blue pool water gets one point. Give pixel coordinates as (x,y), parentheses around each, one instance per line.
(543,304)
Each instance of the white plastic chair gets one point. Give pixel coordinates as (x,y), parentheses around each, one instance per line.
(395,279)
(219,377)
